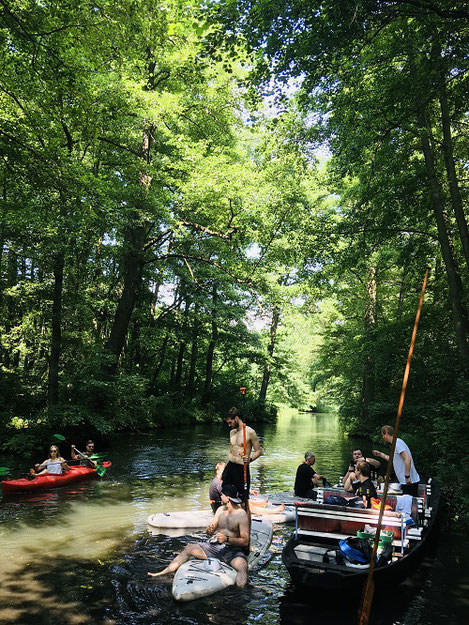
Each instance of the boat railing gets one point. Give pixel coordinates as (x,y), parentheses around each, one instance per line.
(419,510)
(332,521)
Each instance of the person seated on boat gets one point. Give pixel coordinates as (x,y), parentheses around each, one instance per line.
(364,486)
(403,507)
(403,462)
(216,486)
(55,464)
(356,456)
(351,477)
(306,478)
(82,457)
(230,536)
(360,484)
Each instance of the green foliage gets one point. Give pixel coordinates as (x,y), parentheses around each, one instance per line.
(21,442)
(164,240)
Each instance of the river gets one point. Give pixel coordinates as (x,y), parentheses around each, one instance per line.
(79,555)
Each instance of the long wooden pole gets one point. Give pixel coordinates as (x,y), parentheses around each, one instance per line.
(367,598)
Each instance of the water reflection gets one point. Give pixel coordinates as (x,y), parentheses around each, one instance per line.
(80,554)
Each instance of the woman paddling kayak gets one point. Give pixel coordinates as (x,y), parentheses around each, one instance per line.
(55,464)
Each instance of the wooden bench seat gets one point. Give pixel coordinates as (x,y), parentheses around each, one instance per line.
(333,536)
(340,519)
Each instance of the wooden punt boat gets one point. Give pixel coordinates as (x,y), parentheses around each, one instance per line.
(312,555)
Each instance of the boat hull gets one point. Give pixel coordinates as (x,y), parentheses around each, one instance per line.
(48,481)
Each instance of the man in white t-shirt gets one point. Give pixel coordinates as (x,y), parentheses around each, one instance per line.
(403,463)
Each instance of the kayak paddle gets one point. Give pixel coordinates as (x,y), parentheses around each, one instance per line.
(100,470)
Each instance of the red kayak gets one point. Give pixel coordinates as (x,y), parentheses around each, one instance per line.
(49,480)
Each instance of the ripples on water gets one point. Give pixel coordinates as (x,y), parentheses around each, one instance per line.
(80,554)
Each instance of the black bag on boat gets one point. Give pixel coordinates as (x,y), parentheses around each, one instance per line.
(356,550)
(333,556)
(336,500)
(356,502)
(385,556)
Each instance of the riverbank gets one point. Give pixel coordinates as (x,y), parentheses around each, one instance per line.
(21,436)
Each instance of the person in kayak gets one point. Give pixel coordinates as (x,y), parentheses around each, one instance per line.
(83,458)
(233,473)
(230,535)
(55,464)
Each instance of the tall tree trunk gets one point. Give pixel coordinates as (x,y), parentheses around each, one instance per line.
(133,263)
(56,330)
(460,320)
(2,244)
(182,346)
(210,352)
(194,353)
(132,275)
(159,366)
(455,193)
(11,281)
(173,371)
(368,384)
(436,280)
(270,351)
(400,304)
(154,296)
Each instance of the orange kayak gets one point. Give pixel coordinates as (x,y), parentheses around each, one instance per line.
(50,480)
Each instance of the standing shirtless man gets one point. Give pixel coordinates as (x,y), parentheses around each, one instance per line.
(234,471)
(226,545)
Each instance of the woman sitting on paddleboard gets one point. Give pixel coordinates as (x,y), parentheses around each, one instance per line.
(55,464)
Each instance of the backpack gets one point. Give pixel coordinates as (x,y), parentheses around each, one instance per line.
(355,550)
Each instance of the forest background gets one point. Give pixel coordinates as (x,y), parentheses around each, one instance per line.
(198,196)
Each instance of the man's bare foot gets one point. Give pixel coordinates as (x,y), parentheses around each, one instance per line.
(281,507)
(163,572)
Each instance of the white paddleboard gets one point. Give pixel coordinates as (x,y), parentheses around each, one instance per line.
(192,519)
(183,519)
(200,578)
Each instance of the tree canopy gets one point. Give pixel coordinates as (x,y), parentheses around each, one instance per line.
(166,237)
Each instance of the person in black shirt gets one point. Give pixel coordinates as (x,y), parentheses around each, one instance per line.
(364,487)
(215,487)
(306,478)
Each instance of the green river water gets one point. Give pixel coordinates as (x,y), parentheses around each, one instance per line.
(79,554)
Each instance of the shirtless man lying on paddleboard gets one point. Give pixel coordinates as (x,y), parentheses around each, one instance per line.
(227,544)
